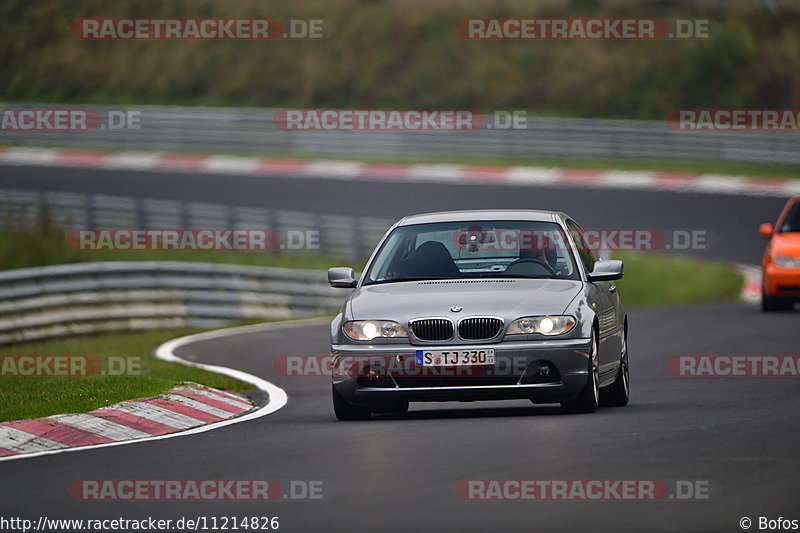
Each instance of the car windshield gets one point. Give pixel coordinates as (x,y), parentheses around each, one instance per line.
(791,224)
(486,249)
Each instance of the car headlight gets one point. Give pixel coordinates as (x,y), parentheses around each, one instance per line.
(366,330)
(786,261)
(546,325)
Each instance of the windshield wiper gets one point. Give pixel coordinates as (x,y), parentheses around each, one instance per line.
(393,280)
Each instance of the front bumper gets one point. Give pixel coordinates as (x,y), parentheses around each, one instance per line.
(782,282)
(387,374)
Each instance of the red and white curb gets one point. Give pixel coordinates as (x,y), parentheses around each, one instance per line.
(751,291)
(183,407)
(456,174)
(185,410)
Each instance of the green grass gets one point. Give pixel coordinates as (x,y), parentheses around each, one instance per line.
(32,397)
(46,245)
(663,279)
(657,165)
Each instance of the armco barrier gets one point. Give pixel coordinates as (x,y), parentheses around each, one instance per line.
(345,236)
(54,301)
(252,131)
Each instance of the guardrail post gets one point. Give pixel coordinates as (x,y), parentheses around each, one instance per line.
(89,210)
(357,250)
(141,223)
(183,215)
(230,217)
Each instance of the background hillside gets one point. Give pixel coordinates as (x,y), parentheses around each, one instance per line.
(406,54)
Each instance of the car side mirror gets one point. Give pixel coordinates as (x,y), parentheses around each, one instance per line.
(607,270)
(765,230)
(342,277)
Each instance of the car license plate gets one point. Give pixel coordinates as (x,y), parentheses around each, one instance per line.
(460,357)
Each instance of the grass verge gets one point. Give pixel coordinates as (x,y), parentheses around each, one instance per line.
(46,245)
(652,165)
(663,279)
(33,397)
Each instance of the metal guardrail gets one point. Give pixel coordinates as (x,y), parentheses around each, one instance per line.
(62,300)
(81,298)
(342,236)
(252,131)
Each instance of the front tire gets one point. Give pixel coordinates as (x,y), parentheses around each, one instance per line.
(397,409)
(618,393)
(589,397)
(346,411)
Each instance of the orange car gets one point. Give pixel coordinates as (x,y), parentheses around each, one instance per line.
(781,263)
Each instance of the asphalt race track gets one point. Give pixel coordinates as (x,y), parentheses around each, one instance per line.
(389,474)
(738,435)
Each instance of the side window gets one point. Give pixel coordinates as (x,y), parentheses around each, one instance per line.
(792,221)
(587,255)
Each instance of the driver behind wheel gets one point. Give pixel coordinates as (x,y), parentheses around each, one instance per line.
(544,251)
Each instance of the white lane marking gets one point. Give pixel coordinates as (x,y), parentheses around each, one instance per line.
(194,404)
(155,413)
(435,172)
(30,156)
(533,175)
(23,442)
(792,187)
(242,404)
(719,183)
(165,352)
(340,169)
(626,179)
(131,161)
(99,426)
(231,165)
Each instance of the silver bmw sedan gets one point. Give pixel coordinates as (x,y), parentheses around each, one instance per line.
(480,305)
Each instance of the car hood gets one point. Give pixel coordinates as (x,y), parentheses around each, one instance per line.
(786,244)
(510,298)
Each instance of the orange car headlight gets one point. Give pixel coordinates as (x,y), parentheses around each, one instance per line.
(787,262)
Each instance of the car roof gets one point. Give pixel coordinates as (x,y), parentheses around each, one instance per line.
(530,215)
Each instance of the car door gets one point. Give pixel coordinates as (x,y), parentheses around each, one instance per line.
(603,299)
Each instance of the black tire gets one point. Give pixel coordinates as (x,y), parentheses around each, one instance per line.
(770,304)
(618,394)
(399,409)
(346,411)
(589,397)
